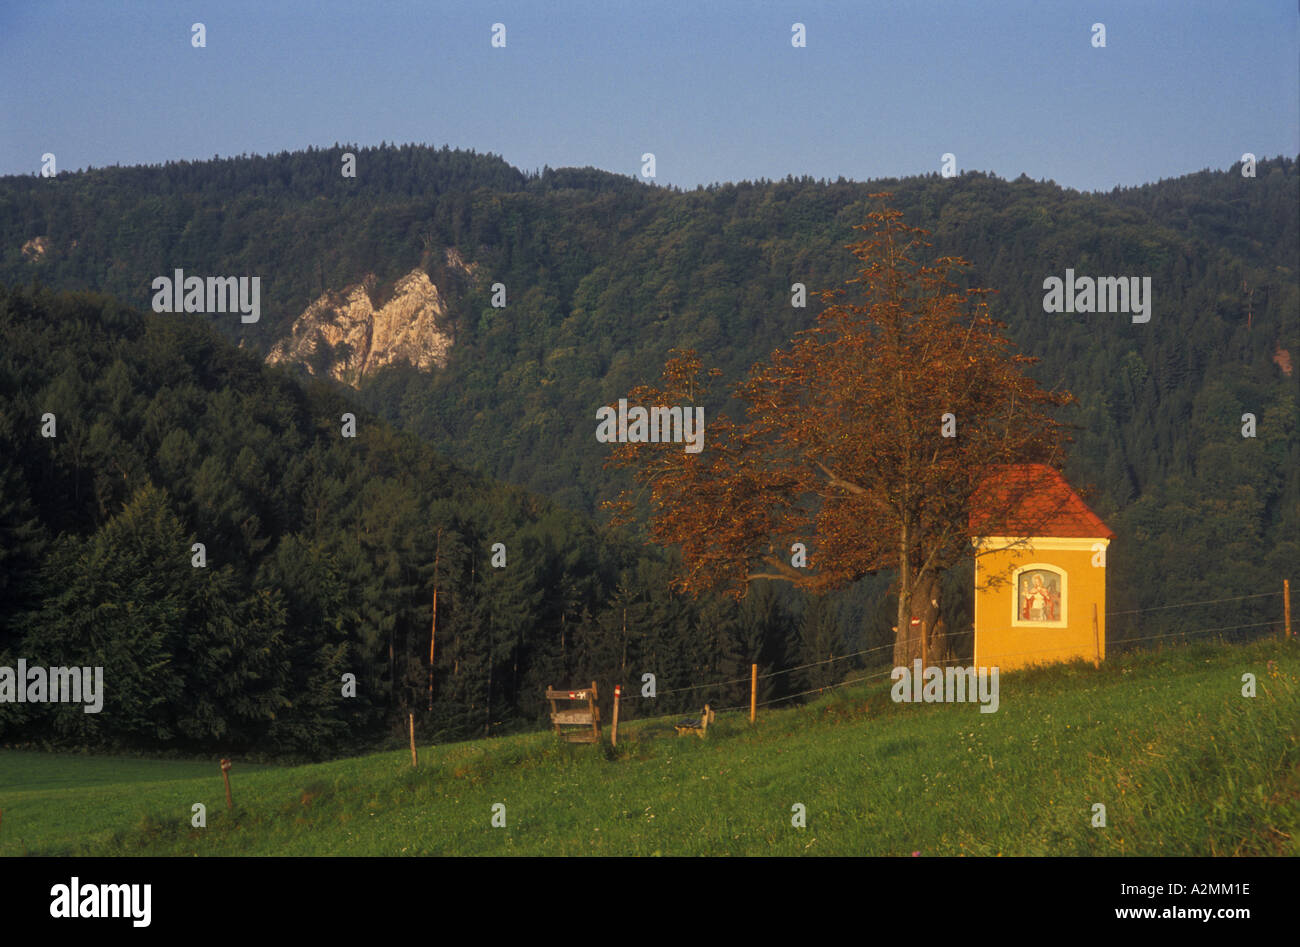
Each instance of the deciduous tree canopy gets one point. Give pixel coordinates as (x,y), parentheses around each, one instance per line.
(864,438)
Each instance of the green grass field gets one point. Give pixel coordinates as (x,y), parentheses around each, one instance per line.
(1184,764)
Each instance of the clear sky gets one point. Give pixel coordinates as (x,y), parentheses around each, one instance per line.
(714,89)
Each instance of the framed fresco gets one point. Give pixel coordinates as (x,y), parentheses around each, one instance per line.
(1039,596)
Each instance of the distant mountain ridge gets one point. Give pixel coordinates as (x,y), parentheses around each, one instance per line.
(604,274)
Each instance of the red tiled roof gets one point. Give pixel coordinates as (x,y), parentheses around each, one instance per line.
(1024,500)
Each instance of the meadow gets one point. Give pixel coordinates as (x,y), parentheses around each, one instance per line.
(1183,763)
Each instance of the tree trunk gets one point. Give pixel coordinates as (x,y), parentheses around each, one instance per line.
(918,608)
(941,652)
(904,645)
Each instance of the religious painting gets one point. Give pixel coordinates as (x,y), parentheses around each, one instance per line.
(1038,596)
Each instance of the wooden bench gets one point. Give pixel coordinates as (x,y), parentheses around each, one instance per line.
(699,727)
(580,725)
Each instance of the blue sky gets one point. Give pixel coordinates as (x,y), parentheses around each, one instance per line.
(714,89)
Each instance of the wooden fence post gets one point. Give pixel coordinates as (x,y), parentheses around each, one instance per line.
(1096,639)
(415,760)
(225,774)
(433,630)
(1286,604)
(753,692)
(613,727)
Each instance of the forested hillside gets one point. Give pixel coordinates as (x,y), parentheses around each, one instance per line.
(320,556)
(605,274)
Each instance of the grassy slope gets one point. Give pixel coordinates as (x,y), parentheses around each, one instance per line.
(1184,764)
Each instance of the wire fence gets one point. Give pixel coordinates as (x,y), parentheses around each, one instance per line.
(878,674)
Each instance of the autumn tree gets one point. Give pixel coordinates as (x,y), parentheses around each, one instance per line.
(864,439)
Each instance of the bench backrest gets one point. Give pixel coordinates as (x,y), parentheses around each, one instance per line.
(580,721)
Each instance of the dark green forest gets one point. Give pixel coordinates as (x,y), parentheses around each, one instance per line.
(320,555)
(321,549)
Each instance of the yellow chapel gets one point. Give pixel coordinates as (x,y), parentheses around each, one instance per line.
(1040,570)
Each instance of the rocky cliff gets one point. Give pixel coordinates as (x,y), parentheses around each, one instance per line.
(342,335)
